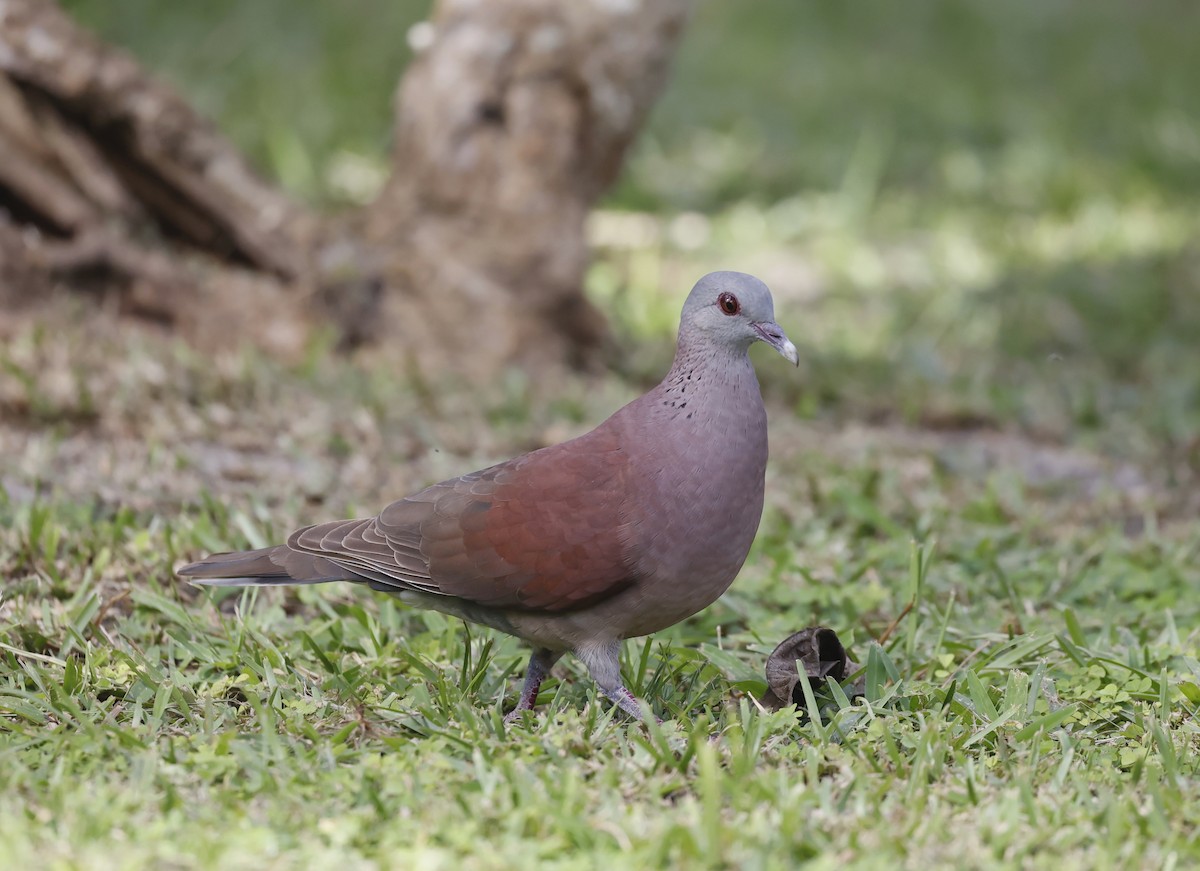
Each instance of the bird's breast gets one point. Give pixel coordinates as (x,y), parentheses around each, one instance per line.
(700,496)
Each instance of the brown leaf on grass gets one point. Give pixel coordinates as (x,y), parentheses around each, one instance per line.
(819,651)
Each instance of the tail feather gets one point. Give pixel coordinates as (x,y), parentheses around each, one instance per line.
(263,567)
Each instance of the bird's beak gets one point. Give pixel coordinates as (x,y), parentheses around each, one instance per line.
(773,334)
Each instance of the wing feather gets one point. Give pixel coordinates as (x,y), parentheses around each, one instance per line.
(545,531)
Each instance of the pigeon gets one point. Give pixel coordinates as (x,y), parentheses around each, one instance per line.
(618,533)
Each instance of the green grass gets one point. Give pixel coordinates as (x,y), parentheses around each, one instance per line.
(979,225)
(1018,102)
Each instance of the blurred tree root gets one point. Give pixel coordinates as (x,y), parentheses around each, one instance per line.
(512,120)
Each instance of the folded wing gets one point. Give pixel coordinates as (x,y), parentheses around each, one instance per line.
(545,531)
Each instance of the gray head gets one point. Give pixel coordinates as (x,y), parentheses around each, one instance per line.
(734,309)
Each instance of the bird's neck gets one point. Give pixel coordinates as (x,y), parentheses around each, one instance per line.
(695,357)
(708,386)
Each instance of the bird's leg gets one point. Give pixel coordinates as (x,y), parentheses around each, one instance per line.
(626,701)
(540,663)
(604,662)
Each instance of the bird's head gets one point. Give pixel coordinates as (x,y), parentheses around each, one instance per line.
(735,309)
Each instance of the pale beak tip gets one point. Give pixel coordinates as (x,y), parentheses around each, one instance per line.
(789,352)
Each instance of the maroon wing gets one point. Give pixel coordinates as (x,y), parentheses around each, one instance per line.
(544,531)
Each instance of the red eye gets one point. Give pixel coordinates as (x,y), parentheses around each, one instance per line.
(729,303)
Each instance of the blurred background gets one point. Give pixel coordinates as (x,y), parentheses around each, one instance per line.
(976,214)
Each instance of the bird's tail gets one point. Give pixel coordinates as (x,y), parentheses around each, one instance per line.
(266,566)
